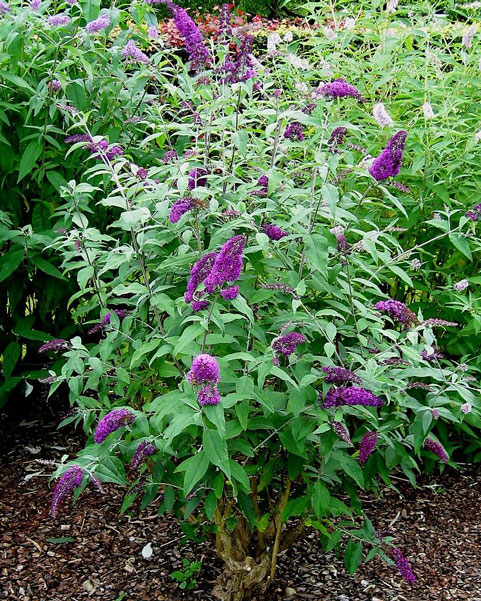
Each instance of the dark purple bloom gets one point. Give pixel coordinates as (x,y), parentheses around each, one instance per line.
(389,162)
(263,182)
(241,68)
(102,148)
(273,231)
(393,361)
(98,24)
(208,395)
(70,480)
(75,138)
(198,274)
(435,414)
(170,155)
(197,177)
(286,344)
(338,397)
(230,293)
(194,44)
(54,85)
(366,447)
(340,375)
(343,245)
(225,28)
(336,139)
(57,20)
(339,88)
(131,51)
(121,314)
(474,213)
(34,4)
(341,431)
(199,305)
(180,208)
(294,131)
(436,322)
(111,422)
(205,369)
(403,566)
(142,173)
(400,186)
(307,110)
(227,265)
(437,449)
(432,356)
(143,450)
(397,311)
(58,344)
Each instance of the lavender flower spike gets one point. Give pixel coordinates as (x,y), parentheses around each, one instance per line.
(340,375)
(403,566)
(397,311)
(131,51)
(274,232)
(143,450)
(338,397)
(437,449)
(294,131)
(4,8)
(180,208)
(111,422)
(230,293)
(389,162)
(58,344)
(198,274)
(366,447)
(70,480)
(205,369)
(286,345)
(339,88)
(98,24)
(208,395)
(341,431)
(228,264)
(57,20)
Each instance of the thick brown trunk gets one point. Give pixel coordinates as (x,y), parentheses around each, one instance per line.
(242,580)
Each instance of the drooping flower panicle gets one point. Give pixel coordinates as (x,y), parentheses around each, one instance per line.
(132,52)
(198,274)
(111,422)
(70,480)
(180,208)
(398,312)
(143,450)
(366,446)
(204,370)
(340,375)
(437,449)
(98,24)
(286,344)
(341,431)
(58,344)
(294,131)
(339,88)
(227,265)
(389,162)
(403,566)
(274,232)
(338,397)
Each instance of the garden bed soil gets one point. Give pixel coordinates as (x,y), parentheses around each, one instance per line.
(437,526)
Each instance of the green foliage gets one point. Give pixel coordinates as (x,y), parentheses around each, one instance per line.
(187,576)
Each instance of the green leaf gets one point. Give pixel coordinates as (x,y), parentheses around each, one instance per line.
(353,556)
(195,468)
(60,540)
(210,505)
(461,244)
(352,468)
(10,261)
(77,96)
(402,274)
(239,474)
(216,450)
(29,158)
(11,355)
(46,267)
(320,498)
(317,251)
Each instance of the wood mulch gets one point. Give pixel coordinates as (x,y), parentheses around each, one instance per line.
(437,526)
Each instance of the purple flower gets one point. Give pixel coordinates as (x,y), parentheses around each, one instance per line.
(389,162)
(340,375)
(208,395)
(307,110)
(199,305)
(35,4)
(58,344)
(339,88)
(240,69)
(225,28)
(437,449)
(382,116)
(57,20)
(70,480)
(366,447)
(336,139)
(273,231)
(75,138)
(102,148)
(4,8)
(143,450)
(142,173)
(466,408)
(194,44)
(403,566)
(111,422)
(153,32)
(99,327)
(204,370)
(131,51)
(337,397)
(263,182)
(198,274)
(431,356)
(197,177)
(435,322)
(180,208)
(435,414)
(474,213)
(98,24)
(286,345)
(227,265)
(230,293)
(341,431)
(54,85)
(397,311)
(461,285)
(294,131)
(343,245)
(170,155)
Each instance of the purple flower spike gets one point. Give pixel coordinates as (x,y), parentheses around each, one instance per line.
(198,274)
(474,213)
(98,24)
(170,155)
(286,345)
(58,20)
(180,208)
(205,369)
(70,480)
(194,44)
(58,344)
(228,264)
(199,305)
(208,395)
(366,447)
(241,69)
(403,566)
(437,449)
(75,138)
(132,52)
(389,162)
(197,177)
(111,422)
(338,397)
(225,27)
(230,293)
(273,231)
(143,450)
(397,311)
(340,375)
(294,131)
(339,88)
(341,431)
(336,139)
(4,8)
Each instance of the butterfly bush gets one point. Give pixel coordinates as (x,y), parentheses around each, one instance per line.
(243,216)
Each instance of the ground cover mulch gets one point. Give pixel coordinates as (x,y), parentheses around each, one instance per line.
(438,526)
